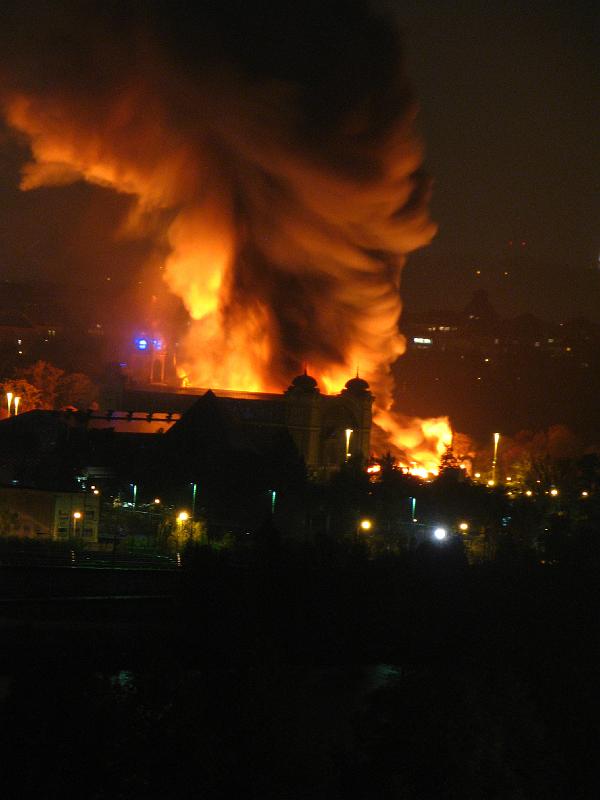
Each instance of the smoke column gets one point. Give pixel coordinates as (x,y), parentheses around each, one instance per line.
(272,152)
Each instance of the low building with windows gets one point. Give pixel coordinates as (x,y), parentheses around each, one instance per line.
(44,514)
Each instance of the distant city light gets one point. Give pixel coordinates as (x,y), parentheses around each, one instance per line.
(585,494)
(477,475)
(440,534)
(157,500)
(553,492)
(528,492)
(141,343)
(96,491)
(366,524)
(158,344)
(422,340)
(491,482)
(183,516)
(464,527)
(77,515)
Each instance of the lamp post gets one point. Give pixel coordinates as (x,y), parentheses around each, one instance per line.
(17,401)
(496,440)
(9,397)
(363,525)
(348,433)
(413,508)
(182,518)
(194,490)
(76,516)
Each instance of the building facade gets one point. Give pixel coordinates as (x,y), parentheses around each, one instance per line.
(326,429)
(44,514)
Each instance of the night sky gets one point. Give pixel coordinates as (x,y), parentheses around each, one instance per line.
(509,99)
(509,103)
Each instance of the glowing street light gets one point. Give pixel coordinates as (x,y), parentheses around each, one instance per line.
(496,440)
(440,534)
(183,516)
(585,494)
(17,400)
(528,492)
(348,433)
(554,492)
(463,527)
(194,491)
(9,397)
(365,524)
(157,501)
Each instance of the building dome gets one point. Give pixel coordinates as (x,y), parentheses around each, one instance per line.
(357,386)
(304,383)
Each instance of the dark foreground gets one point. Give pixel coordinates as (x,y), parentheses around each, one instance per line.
(288,677)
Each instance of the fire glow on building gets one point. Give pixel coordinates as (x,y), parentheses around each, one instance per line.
(282,210)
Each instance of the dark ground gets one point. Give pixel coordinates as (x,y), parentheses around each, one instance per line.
(290,679)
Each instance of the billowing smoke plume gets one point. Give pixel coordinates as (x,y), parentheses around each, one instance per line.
(272,151)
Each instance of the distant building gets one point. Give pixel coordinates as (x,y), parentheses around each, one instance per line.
(39,513)
(326,429)
(236,443)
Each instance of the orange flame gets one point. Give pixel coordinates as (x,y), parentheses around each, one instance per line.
(281,253)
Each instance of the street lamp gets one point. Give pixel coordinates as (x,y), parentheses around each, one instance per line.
(17,401)
(496,440)
(9,397)
(440,534)
(463,527)
(413,508)
(194,490)
(348,433)
(76,516)
(365,525)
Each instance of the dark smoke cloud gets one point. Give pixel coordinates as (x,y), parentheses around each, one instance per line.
(269,149)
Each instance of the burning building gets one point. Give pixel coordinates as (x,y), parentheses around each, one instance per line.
(270,160)
(326,429)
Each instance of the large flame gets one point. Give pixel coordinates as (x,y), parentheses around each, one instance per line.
(286,229)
